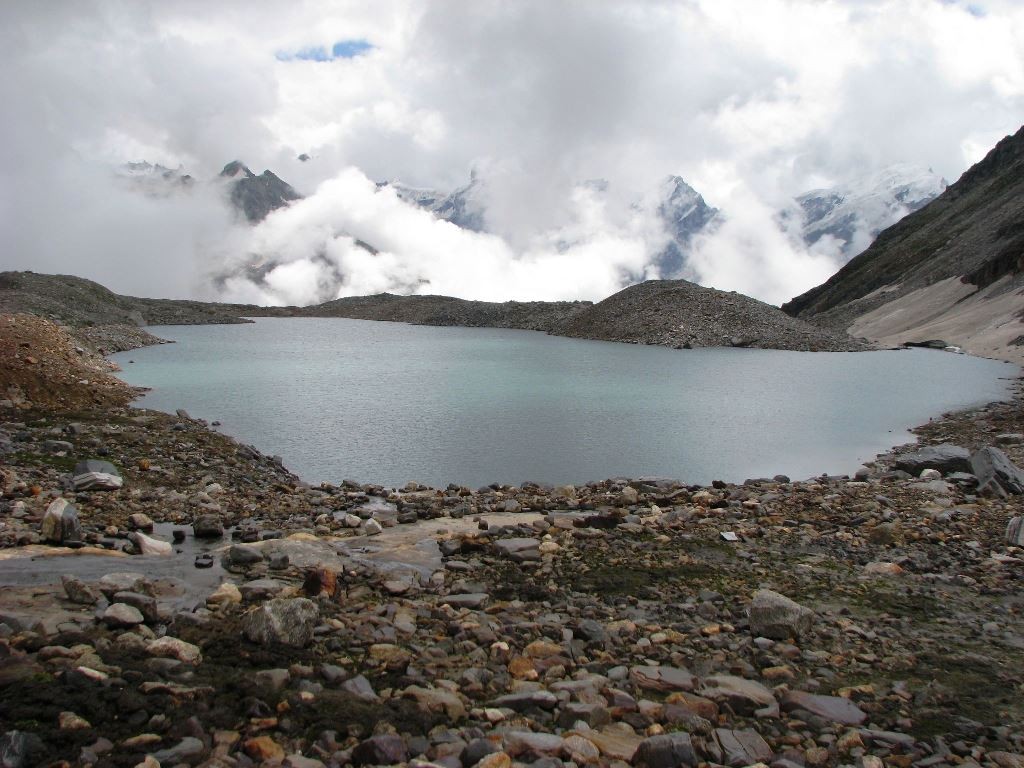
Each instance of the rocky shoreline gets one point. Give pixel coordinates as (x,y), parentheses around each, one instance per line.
(868,620)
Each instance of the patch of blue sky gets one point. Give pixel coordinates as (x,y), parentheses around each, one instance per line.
(343,49)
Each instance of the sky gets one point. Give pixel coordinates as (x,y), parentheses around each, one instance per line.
(751,103)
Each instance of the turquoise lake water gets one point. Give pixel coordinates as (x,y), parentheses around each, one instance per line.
(387,402)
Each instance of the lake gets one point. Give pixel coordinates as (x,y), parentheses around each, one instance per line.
(386,403)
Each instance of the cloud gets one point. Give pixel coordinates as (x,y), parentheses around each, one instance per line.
(751,103)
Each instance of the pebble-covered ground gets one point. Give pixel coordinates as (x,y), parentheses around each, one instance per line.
(868,620)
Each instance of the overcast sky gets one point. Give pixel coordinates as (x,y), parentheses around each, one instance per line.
(750,101)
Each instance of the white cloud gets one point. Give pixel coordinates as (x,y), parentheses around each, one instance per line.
(752,103)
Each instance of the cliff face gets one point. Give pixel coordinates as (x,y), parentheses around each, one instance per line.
(952,267)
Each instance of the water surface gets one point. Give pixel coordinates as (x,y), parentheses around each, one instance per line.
(388,402)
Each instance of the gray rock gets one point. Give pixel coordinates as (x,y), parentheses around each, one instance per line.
(96,475)
(260,589)
(239,554)
(61,524)
(288,621)
(469,600)
(944,458)
(834,708)
(188,750)
(145,604)
(122,615)
(744,747)
(776,616)
(663,678)
(1015,532)
(140,521)
(208,527)
(57,446)
(124,581)
(361,688)
(380,750)
(18,749)
(518,548)
(996,474)
(592,631)
(668,750)
(78,591)
(522,700)
(744,696)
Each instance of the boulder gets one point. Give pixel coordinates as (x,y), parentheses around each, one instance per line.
(997,475)
(288,621)
(945,458)
(96,475)
(61,524)
(124,581)
(776,616)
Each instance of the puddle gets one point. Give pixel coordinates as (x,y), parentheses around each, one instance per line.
(185,585)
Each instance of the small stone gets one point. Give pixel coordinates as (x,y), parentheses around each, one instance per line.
(140,521)
(69,721)
(172,648)
(226,594)
(371,527)
(262,748)
(78,591)
(380,750)
(208,527)
(150,546)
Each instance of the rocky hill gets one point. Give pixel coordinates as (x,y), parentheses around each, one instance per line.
(678,313)
(78,302)
(950,271)
(446,310)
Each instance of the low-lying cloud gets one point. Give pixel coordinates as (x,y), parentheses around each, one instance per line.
(752,104)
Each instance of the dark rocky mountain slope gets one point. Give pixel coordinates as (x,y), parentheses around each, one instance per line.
(256,196)
(951,270)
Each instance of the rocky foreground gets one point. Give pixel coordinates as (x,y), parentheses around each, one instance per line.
(172,597)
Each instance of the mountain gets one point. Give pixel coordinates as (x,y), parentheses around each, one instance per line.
(464,207)
(684,213)
(155,180)
(256,196)
(854,213)
(678,313)
(951,270)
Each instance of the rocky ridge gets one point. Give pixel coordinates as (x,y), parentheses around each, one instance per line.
(865,620)
(678,313)
(950,271)
(668,312)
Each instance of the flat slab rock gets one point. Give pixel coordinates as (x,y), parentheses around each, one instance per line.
(834,708)
(945,458)
(996,474)
(663,678)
